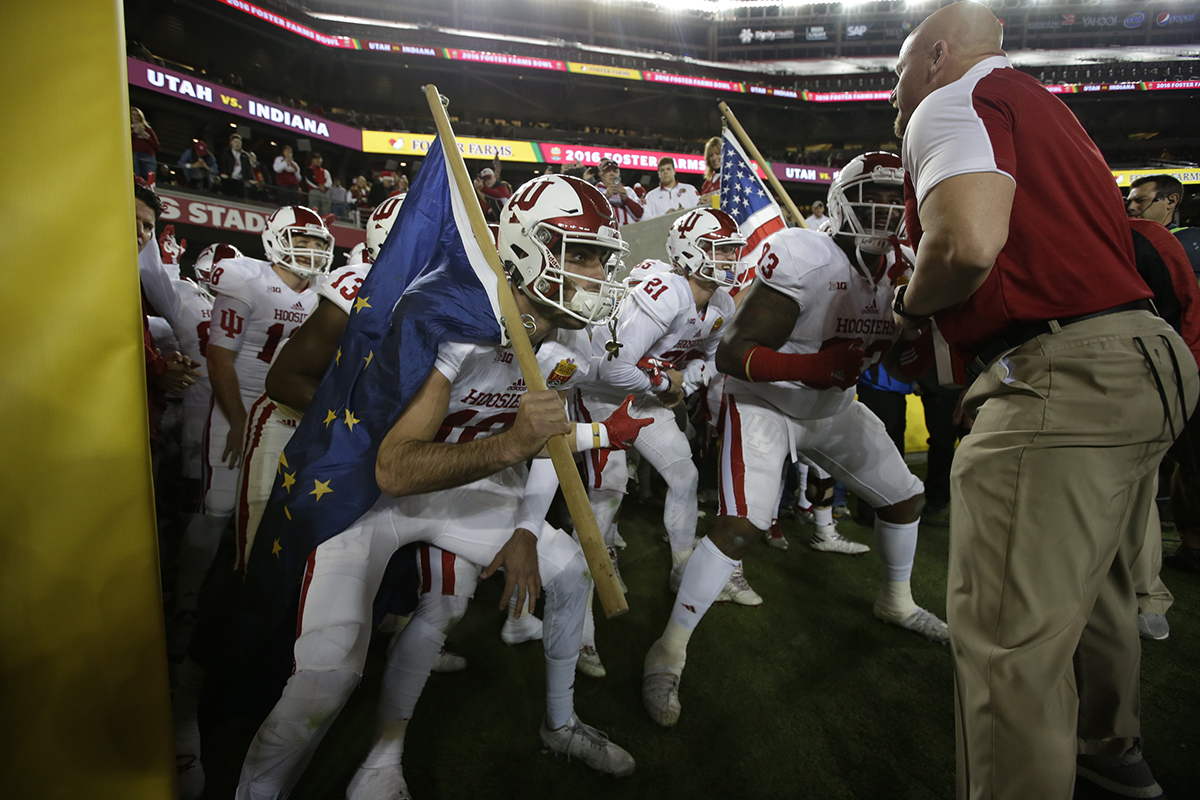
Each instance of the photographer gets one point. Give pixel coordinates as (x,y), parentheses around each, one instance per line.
(624,200)
(493,194)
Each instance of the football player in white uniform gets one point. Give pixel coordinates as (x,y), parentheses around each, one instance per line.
(451,471)
(674,315)
(817,314)
(259,304)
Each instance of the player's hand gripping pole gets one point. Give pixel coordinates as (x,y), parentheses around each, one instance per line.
(774,183)
(611,596)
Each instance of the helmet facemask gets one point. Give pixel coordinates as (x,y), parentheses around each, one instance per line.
(593,302)
(859,210)
(693,241)
(287,252)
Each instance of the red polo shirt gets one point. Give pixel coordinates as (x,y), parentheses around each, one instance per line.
(1069,251)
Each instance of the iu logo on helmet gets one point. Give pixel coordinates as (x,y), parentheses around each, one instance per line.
(527,198)
(231,323)
(689,221)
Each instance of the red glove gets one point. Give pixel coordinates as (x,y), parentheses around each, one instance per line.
(654,367)
(623,429)
(838,365)
(171,250)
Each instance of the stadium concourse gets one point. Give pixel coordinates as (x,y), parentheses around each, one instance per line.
(305,240)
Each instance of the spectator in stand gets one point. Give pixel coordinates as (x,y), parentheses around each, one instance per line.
(236,170)
(818,217)
(624,200)
(641,187)
(256,188)
(318,181)
(401,185)
(145,145)
(712,171)
(671,195)
(382,189)
(493,194)
(360,191)
(287,178)
(339,198)
(199,166)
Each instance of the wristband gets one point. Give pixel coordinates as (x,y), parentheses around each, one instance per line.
(898,307)
(590,436)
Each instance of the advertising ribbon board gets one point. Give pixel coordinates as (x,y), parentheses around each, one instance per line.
(214,212)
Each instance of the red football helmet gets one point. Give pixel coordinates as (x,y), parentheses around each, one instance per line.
(288,222)
(694,238)
(209,257)
(542,218)
(871,224)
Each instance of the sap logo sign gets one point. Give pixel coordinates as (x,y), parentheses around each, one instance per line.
(856,31)
(1135,20)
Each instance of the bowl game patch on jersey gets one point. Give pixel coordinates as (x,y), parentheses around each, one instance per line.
(561,373)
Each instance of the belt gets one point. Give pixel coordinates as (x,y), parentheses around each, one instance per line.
(1019,335)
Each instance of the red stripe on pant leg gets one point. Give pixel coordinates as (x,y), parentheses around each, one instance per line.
(731,431)
(249,446)
(309,568)
(448,576)
(426,578)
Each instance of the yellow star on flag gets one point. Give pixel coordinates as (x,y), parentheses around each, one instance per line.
(338,356)
(288,479)
(351,420)
(361,303)
(276,548)
(330,417)
(322,488)
(287,513)
(370,355)
(282,463)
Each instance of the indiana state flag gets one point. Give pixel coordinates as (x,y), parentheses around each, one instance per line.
(431,284)
(745,198)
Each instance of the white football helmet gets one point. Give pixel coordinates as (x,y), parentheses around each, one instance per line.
(209,257)
(871,225)
(380,225)
(694,238)
(545,216)
(291,221)
(357,254)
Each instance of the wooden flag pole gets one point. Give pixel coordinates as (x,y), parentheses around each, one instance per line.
(776,186)
(607,586)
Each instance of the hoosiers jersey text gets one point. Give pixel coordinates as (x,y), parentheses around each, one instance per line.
(836,304)
(341,286)
(255,312)
(486,383)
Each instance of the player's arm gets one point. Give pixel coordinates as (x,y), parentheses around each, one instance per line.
(637,332)
(228,394)
(749,349)
(410,462)
(965,224)
(299,367)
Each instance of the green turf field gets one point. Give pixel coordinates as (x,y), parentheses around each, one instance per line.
(807,696)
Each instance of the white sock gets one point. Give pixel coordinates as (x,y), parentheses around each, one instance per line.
(388,750)
(186,700)
(896,545)
(512,610)
(707,572)
(589,624)
(560,691)
(802,484)
(681,556)
(823,516)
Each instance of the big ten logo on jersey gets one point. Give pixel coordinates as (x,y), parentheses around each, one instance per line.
(561,373)
(838,286)
(231,323)
(503,358)
(767,262)
(275,289)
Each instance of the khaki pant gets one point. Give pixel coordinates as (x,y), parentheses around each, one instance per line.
(1051,494)
(1153,596)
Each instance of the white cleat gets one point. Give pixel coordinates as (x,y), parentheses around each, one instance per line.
(918,621)
(592,747)
(188,770)
(738,591)
(589,663)
(381,783)
(526,629)
(449,662)
(828,540)
(660,696)
(618,542)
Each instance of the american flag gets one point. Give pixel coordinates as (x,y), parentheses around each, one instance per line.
(745,198)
